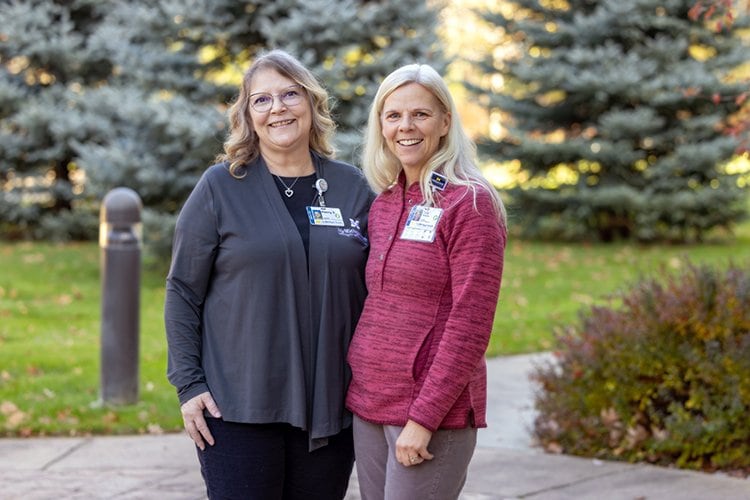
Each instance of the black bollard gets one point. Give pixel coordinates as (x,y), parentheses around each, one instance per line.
(120,254)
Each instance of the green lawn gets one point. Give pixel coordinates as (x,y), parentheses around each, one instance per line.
(548,284)
(49,347)
(49,324)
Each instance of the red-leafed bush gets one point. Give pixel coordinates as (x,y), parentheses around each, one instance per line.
(661,374)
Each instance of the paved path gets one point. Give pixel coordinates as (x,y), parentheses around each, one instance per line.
(505,464)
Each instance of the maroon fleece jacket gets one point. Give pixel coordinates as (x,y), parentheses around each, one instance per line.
(418,349)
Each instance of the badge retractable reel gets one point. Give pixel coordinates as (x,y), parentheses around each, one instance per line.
(321,186)
(323,215)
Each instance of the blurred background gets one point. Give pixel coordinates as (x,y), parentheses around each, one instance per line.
(615,130)
(600,120)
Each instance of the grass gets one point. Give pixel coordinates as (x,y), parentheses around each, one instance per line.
(50,324)
(549,284)
(49,347)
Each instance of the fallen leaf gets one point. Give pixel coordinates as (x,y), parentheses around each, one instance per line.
(110,417)
(64,300)
(155,429)
(34,371)
(33,258)
(8,407)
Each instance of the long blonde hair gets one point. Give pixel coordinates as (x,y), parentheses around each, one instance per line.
(242,146)
(456,154)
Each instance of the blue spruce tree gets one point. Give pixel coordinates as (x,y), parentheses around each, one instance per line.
(98,94)
(615,114)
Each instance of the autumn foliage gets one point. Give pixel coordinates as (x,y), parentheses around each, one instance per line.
(662,375)
(719,14)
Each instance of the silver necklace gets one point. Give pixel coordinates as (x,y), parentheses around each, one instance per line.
(289,192)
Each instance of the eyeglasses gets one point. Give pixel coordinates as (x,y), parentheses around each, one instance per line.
(263,101)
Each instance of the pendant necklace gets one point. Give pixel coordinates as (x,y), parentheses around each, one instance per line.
(289,192)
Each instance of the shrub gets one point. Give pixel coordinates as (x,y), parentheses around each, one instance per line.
(158,230)
(80,224)
(660,373)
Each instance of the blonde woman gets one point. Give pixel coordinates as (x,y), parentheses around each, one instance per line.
(437,233)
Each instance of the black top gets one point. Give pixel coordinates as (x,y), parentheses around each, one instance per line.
(304,196)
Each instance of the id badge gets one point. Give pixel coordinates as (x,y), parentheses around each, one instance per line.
(325,216)
(422,224)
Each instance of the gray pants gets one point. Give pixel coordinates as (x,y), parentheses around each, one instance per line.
(381,477)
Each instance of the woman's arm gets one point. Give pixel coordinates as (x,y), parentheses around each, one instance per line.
(475,243)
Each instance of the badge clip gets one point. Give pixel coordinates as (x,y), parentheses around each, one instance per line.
(321,186)
(438,181)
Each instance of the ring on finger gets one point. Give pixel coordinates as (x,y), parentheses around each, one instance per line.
(413,460)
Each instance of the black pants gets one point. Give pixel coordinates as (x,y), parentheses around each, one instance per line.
(272,462)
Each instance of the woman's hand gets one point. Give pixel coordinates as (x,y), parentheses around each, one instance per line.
(411,445)
(195,424)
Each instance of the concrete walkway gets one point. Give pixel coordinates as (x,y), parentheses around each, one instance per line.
(505,464)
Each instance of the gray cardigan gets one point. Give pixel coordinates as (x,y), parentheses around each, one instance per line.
(247,318)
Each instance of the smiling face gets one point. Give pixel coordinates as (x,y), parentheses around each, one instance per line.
(284,128)
(413,122)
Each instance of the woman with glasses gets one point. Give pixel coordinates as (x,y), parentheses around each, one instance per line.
(264,291)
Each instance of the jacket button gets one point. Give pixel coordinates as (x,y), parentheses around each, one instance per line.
(381,256)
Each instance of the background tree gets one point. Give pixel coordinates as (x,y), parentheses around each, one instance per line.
(615,119)
(138,90)
(45,65)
